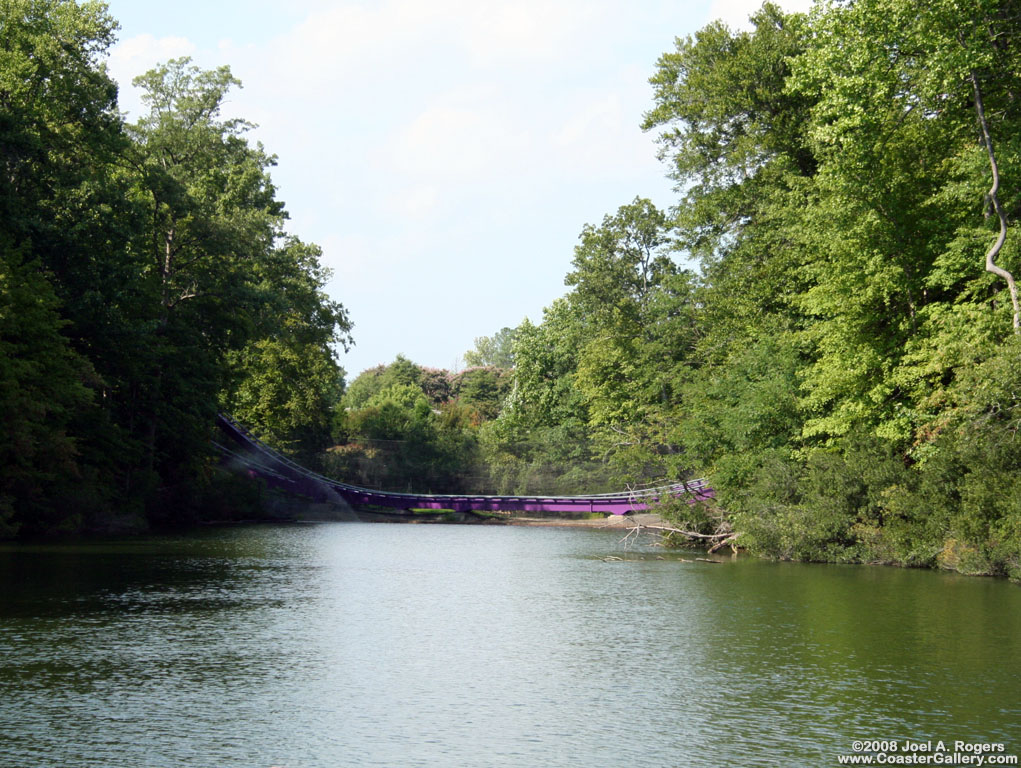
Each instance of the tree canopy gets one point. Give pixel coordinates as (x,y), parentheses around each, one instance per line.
(838,363)
(146,280)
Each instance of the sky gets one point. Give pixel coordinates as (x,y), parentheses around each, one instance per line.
(444,154)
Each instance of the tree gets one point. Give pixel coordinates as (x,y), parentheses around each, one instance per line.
(730,131)
(372,381)
(735,140)
(60,108)
(285,382)
(902,179)
(398,412)
(496,350)
(144,272)
(485,389)
(66,270)
(638,335)
(618,265)
(545,361)
(212,216)
(41,385)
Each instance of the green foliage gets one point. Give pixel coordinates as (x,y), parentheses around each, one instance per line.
(587,402)
(408,428)
(398,441)
(40,388)
(618,265)
(496,350)
(286,380)
(372,381)
(364,386)
(847,334)
(979,443)
(144,277)
(224,278)
(898,179)
(59,133)
(730,131)
(484,390)
(838,366)
(395,413)
(287,392)
(745,406)
(841,367)
(546,356)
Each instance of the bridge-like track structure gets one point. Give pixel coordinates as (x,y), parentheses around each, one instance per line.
(245,452)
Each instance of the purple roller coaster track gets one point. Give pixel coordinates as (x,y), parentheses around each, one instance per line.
(248,454)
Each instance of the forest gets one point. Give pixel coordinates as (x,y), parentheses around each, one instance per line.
(146,281)
(824,323)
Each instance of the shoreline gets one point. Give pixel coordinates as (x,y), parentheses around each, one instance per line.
(610,521)
(450,517)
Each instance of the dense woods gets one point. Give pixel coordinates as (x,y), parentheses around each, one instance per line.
(146,281)
(847,370)
(824,323)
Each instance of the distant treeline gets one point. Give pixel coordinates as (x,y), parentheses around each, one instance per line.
(146,281)
(407,428)
(840,356)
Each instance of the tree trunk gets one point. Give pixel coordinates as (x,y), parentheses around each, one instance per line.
(993,252)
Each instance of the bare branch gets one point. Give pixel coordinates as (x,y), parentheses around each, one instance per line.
(993,252)
(731,540)
(692,534)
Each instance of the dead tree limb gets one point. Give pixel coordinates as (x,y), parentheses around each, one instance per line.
(691,534)
(718,540)
(731,540)
(993,195)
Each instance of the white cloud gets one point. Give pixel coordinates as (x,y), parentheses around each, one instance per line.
(414,202)
(521,30)
(458,142)
(332,45)
(600,115)
(599,133)
(344,44)
(354,256)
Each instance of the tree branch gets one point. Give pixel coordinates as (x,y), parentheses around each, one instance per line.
(691,534)
(993,252)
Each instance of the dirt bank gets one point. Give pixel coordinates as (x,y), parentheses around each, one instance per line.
(610,521)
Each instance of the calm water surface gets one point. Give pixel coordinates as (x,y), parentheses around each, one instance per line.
(400,645)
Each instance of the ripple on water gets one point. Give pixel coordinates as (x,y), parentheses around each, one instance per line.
(376,645)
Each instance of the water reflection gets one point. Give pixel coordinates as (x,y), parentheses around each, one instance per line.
(447,645)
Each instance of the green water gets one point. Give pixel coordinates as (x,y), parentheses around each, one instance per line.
(400,645)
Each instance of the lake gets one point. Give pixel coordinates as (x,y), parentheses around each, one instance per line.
(356,644)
